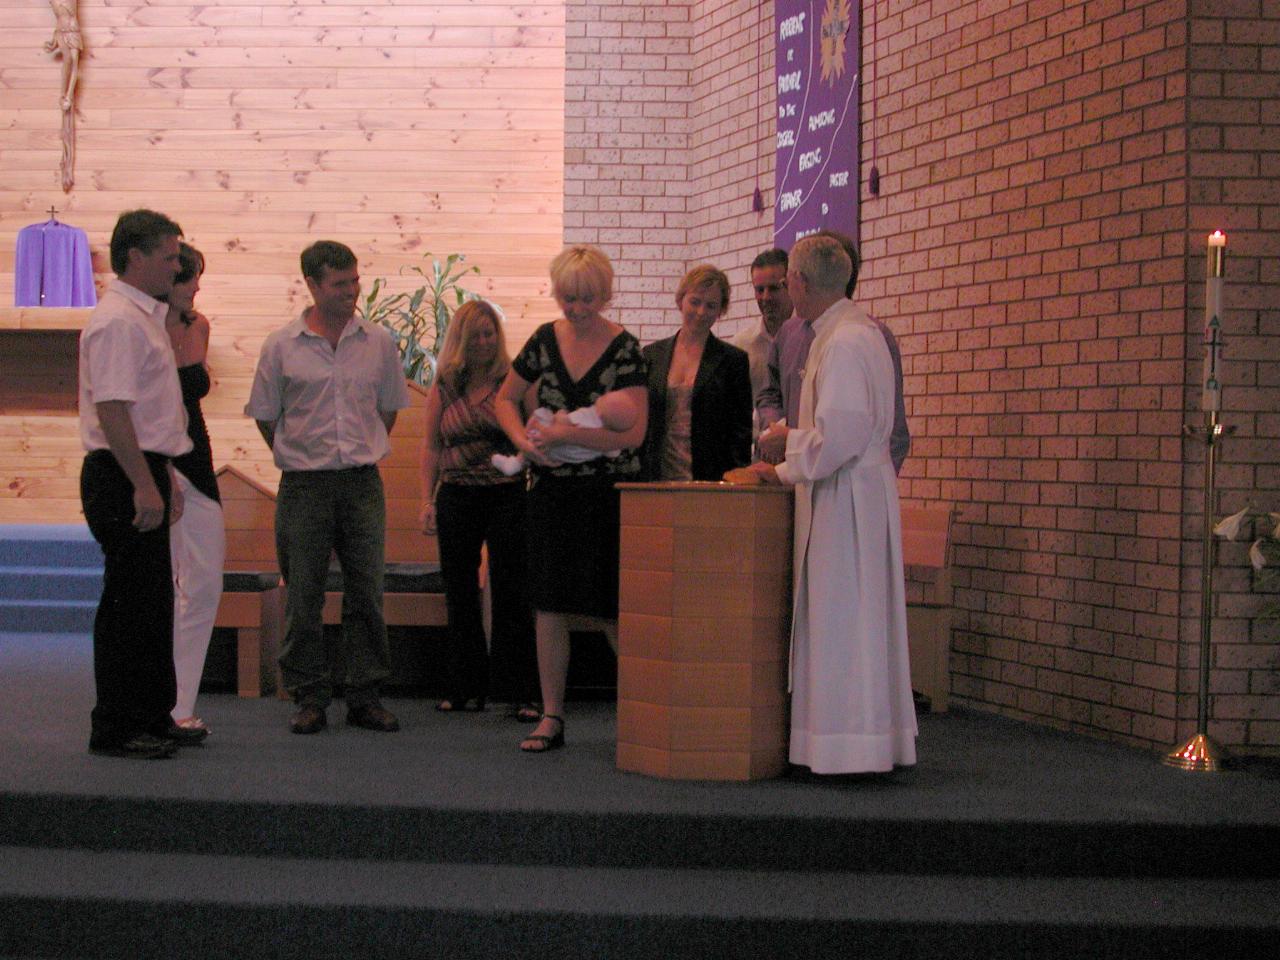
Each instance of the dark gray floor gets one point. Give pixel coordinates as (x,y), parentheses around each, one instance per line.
(972,766)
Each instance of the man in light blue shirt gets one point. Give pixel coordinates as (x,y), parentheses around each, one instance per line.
(325,397)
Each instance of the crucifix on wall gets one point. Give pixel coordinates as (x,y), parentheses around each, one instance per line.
(68,45)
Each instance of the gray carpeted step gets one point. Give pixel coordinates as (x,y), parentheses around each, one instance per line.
(443,841)
(77,903)
(642,840)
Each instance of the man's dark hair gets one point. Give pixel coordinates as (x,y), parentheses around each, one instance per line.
(845,241)
(776,257)
(138,230)
(326,254)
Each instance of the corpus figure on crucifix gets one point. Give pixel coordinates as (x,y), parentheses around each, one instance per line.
(68,44)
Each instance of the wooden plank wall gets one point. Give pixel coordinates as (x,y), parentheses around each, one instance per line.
(398,127)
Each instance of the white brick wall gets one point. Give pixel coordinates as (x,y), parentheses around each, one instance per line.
(665,136)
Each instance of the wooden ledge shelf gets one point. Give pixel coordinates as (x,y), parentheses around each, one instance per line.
(44,319)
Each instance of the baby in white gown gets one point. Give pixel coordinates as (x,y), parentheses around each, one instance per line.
(612,411)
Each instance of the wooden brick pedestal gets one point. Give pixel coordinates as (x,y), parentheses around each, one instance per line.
(704,617)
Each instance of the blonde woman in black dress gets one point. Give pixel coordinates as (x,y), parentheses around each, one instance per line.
(573,507)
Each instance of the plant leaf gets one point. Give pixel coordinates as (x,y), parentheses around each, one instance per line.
(416,316)
(1229,527)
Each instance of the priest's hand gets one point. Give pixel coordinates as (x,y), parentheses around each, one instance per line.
(767,472)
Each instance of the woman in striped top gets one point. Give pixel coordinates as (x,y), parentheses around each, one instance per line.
(468,503)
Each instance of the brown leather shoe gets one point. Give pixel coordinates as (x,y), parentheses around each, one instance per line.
(373,717)
(308,719)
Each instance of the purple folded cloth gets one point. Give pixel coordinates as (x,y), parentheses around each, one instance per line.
(53,267)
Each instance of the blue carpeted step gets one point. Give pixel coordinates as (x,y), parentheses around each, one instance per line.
(50,578)
(61,545)
(75,903)
(47,616)
(39,583)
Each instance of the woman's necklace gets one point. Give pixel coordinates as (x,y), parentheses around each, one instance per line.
(178,340)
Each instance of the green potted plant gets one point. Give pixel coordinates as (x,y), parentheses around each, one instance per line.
(419,318)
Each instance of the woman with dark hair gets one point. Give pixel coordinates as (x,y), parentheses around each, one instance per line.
(699,389)
(468,504)
(197,541)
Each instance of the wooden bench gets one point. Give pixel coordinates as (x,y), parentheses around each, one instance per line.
(252,601)
(926,554)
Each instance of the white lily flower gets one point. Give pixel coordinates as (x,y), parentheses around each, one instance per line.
(1256,556)
(1229,528)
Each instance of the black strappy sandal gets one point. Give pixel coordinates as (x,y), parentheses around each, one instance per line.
(546,743)
(527,712)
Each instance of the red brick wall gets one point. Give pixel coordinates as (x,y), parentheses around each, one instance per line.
(1046,186)
(732,144)
(1234,157)
(1050,170)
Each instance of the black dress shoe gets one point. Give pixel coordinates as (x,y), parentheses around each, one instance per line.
(373,717)
(308,719)
(184,736)
(141,747)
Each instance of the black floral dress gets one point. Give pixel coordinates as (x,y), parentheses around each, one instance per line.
(573,508)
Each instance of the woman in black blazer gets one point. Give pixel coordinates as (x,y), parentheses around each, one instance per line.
(699,390)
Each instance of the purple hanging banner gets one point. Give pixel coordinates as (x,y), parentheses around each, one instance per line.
(817,55)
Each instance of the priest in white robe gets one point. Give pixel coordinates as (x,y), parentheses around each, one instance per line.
(851,708)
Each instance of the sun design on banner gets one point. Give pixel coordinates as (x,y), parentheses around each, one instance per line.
(835,25)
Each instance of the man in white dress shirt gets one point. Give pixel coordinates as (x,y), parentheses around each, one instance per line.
(132,423)
(325,396)
(851,707)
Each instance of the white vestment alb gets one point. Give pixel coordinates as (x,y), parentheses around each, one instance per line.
(851,704)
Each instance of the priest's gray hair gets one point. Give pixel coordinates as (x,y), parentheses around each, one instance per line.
(822,262)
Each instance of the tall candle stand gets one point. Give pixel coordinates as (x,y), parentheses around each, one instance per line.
(1202,753)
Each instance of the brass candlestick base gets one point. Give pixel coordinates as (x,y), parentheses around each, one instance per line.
(1201,753)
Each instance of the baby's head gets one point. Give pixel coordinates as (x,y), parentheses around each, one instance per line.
(616,412)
